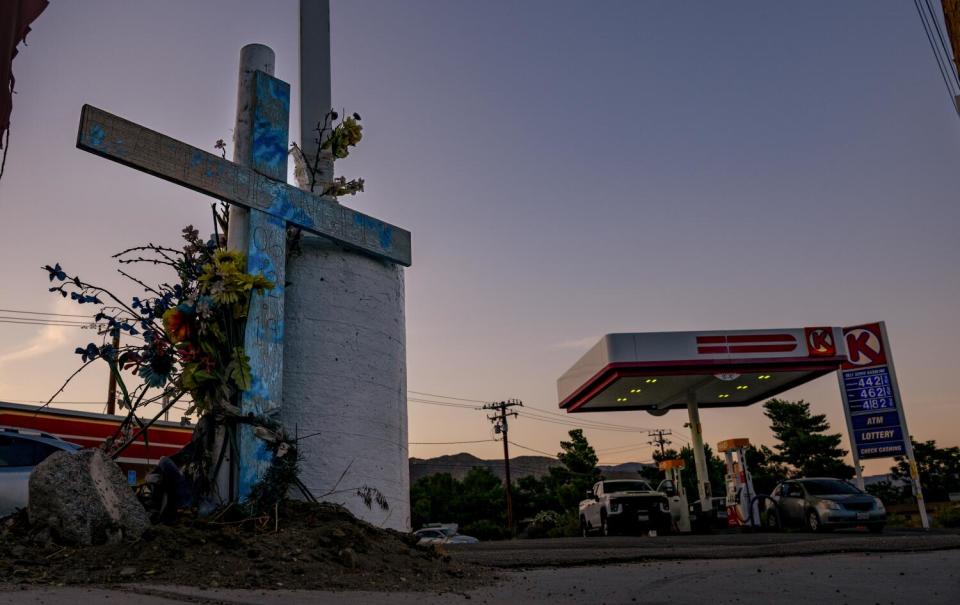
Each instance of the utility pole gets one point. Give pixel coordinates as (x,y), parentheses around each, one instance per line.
(499,420)
(660,440)
(112,379)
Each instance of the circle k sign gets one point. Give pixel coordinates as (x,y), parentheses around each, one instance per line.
(865,346)
(820,342)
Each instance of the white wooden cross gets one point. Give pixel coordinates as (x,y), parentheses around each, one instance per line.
(273,205)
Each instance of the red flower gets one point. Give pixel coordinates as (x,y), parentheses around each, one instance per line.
(178,324)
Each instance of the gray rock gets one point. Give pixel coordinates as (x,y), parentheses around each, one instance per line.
(83,498)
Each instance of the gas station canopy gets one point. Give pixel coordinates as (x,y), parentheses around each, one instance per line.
(657,371)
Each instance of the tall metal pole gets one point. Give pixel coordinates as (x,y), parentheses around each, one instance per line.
(699,456)
(907,441)
(316,97)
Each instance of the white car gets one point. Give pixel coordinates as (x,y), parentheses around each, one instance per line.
(624,505)
(442,535)
(20,451)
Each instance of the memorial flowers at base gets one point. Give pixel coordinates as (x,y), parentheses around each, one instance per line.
(181,341)
(186,336)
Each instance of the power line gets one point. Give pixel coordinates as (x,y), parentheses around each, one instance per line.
(947,54)
(39,320)
(534,413)
(39,313)
(624,449)
(523,447)
(446,397)
(450,442)
(443,403)
(584,425)
(936,54)
(64,324)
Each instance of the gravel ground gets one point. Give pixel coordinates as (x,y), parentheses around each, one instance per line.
(928,577)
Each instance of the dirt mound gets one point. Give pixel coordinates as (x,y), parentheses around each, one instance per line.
(305,546)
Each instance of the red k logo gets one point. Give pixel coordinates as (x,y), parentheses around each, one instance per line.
(820,342)
(864,346)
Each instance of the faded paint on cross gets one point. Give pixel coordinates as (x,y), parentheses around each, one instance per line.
(273,205)
(266,256)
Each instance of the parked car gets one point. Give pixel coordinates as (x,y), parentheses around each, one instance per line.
(442,534)
(623,506)
(20,451)
(821,504)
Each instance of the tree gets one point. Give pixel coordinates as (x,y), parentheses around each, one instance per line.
(804,444)
(531,496)
(579,472)
(578,456)
(475,504)
(939,469)
(481,498)
(432,500)
(888,492)
(764,468)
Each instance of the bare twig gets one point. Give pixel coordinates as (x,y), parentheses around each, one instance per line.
(132,278)
(60,390)
(337,484)
(147,425)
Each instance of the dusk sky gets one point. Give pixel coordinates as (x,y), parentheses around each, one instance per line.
(567,169)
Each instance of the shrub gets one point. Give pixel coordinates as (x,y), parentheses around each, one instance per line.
(949,517)
(484,529)
(568,526)
(898,520)
(545,522)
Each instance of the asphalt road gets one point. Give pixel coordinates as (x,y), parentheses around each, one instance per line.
(924,577)
(622,549)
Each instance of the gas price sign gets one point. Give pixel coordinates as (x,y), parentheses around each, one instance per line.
(870,395)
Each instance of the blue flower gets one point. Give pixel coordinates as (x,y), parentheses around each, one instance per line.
(56,272)
(88,354)
(151,376)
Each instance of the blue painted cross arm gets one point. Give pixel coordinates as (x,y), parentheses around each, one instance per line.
(133,145)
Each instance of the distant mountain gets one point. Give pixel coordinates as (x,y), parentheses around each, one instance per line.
(626,470)
(458,465)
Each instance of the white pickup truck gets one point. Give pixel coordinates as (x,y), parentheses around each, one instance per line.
(628,505)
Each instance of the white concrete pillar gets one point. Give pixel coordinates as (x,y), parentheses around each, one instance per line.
(345,376)
(253,57)
(699,456)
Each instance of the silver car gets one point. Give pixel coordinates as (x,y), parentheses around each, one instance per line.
(821,504)
(20,451)
(442,535)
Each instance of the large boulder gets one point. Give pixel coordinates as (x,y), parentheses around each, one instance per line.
(83,498)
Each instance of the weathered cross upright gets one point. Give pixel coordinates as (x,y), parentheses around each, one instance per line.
(273,205)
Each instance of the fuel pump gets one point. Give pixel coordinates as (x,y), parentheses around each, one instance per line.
(673,487)
(742,506)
